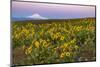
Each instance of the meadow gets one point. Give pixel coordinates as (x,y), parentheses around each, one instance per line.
(53,41)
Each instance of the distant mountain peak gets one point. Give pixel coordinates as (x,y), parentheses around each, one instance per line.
(36,16)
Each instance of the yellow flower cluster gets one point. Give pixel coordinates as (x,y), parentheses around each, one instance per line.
(65,54)
(28,50)
(50,40)
(77,28)
(23,32)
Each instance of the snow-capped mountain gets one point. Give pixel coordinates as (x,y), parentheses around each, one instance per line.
(36,16)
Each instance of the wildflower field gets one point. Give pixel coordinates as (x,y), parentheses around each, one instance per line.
(53,42)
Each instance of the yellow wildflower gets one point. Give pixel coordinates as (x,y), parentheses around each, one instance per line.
(45,44)
(73,41)
(62,38)
(62,55)
(36,44)
(28,50)
(65,44)
(68,54)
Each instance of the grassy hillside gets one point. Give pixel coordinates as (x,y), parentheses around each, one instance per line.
(58,20)
(53,41)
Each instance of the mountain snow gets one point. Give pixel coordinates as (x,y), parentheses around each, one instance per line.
(36,16)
